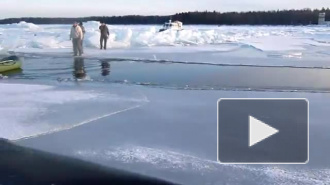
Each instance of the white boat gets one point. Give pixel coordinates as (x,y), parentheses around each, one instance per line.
(322,20)
(176,25)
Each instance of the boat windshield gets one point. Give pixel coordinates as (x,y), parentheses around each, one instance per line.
(167,25)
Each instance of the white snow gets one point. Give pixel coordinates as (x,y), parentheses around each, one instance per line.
(21,35)
(301,46)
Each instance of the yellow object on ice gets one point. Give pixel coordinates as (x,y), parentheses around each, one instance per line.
(10,63)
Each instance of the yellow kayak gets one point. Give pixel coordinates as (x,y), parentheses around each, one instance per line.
(10,63)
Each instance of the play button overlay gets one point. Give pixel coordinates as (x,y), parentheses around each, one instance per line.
(263,131)
(259,131)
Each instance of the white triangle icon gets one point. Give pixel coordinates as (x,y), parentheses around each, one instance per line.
(259,131)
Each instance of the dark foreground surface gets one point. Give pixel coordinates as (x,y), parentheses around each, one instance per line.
(20,165)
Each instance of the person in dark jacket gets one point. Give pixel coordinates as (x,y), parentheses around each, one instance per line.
(104,35)
(82,41)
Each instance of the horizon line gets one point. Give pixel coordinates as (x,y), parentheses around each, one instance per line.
(91,16)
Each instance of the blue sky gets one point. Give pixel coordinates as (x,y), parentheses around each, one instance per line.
(74,8)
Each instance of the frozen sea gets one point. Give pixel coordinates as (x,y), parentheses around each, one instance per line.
(148,103)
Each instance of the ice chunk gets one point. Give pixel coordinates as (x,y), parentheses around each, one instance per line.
(32,110)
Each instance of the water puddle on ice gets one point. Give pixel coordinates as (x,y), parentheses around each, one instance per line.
(175,75)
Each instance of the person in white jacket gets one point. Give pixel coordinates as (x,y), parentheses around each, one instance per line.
(76,36)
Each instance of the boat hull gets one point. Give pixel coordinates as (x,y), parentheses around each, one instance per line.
(8,64)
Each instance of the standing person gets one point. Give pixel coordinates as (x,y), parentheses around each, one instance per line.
(76,36)
(104,35)
(82,41)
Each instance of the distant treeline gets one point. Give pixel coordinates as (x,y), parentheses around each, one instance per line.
(279,17)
